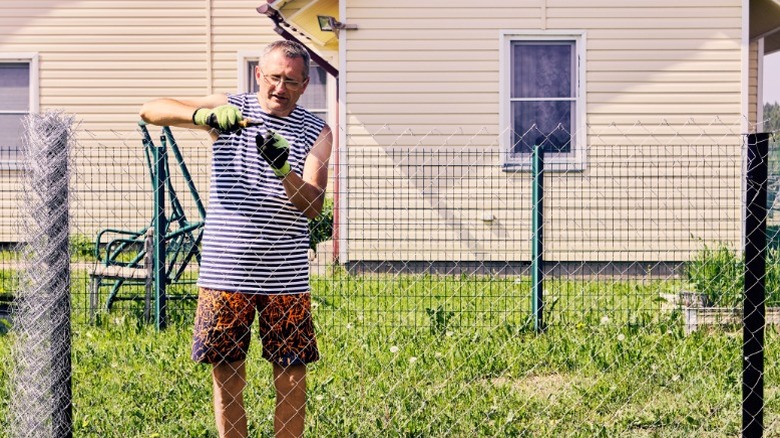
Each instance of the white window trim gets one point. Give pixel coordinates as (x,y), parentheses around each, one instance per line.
(243,75)
(574,161)
(34,103)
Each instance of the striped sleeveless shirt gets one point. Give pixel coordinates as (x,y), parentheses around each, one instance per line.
(255,241)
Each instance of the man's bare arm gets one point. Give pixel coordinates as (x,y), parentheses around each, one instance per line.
(307,192)
(178,112)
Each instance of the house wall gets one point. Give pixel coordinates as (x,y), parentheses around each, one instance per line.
(101,60)
(426,78)
(664,109)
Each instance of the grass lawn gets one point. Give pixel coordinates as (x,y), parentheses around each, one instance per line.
(431,356)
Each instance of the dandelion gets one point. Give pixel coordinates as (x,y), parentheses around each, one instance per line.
(412,360)
(621,337)
(349,326)
(394,349)
(604,320)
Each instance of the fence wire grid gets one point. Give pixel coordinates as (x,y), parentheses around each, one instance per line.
(453,294)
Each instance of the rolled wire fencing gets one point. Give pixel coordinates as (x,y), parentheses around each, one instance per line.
(424,302)
(41,402)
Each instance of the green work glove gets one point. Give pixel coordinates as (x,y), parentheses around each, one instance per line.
(225,118)
(275,150)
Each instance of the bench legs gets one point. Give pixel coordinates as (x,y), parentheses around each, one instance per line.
(95,281)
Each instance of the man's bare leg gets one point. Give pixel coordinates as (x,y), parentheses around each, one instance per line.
(229,382)
(290,383)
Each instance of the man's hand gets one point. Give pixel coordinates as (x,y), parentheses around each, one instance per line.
(225,118)
(275,150)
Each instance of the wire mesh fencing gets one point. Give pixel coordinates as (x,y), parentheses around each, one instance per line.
(434,315)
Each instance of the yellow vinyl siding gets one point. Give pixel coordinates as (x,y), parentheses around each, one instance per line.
(427,77)
(663,84)
(101,60)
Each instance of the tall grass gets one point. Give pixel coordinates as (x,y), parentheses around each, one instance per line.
(719,272)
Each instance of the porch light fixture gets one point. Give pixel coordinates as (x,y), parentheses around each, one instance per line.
(330,24)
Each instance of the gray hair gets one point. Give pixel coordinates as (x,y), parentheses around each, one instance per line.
(291,49)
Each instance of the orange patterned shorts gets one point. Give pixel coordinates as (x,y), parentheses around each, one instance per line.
(223,324)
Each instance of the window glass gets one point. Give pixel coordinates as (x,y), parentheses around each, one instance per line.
(542,103)
(14,106)
(542,69)
(542,123)
(314,97)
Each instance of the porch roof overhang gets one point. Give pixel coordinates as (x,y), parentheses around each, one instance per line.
(297,20)
(765,23)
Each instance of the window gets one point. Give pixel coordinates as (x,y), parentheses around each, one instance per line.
(315,97)
(19,88)
(542,100)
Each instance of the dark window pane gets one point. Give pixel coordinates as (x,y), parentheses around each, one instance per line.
(11,132)
(315,95)
(250,77)
(547,123)
(15,86)
(542,69)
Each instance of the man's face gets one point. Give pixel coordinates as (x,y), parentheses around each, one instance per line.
(281,83)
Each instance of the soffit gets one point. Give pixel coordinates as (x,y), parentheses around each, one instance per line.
(301,16)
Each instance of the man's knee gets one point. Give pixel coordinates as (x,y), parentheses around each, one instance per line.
(289,378)
(229,377)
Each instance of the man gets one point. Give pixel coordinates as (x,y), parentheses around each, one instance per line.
(268,177)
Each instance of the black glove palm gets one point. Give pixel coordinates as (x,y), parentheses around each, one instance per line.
(275,150)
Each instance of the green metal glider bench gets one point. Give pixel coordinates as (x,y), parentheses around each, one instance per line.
(128,257)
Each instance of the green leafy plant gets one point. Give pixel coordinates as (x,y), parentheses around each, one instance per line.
(440,319)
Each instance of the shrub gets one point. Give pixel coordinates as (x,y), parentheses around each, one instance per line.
(321,227)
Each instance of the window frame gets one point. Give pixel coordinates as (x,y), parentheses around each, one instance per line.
(570,161)
(31,59)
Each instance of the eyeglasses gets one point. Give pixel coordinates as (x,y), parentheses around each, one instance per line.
(275,80)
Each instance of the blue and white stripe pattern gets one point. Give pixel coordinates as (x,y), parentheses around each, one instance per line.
(255,240)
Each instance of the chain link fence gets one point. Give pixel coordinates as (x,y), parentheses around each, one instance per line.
(434,314)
